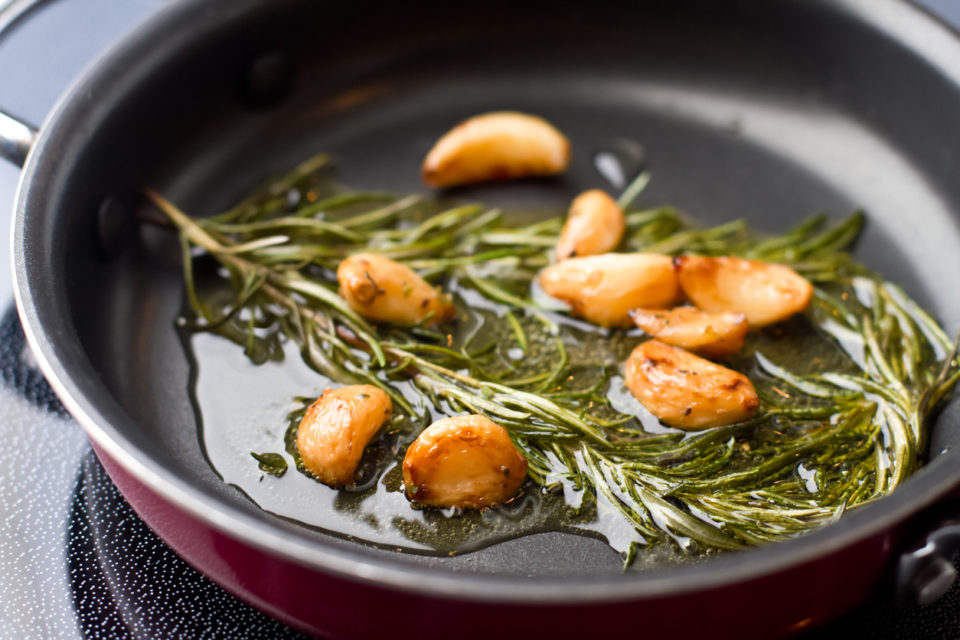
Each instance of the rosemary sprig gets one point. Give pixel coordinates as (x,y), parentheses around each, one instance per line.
(827,439)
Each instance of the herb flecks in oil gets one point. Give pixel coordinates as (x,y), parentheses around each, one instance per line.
(272,463)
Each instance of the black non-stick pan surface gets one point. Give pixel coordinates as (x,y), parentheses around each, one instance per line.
(768,111)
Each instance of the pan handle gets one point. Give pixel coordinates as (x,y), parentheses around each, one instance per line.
(926,571)
(16,136)
(16,139)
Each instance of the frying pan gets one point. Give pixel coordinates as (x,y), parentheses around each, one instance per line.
(744,108)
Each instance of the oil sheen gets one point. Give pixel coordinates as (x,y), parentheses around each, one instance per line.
(247,407)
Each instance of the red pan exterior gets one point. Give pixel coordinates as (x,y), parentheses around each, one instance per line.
(773,606)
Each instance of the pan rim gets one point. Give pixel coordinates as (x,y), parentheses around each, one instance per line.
(928,37)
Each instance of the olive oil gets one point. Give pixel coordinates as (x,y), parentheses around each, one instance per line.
(254,405)
(846,389)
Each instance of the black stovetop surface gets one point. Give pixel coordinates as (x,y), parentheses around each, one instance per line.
(75,561)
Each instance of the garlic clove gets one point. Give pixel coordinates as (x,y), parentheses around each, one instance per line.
(496,146)
(468,462)
(686,391)
(382,290)
(764,292)
(337,427)
(715,335)
(604,289)
(595,225)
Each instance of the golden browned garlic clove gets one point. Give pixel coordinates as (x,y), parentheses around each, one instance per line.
(467,462)
(337,427)
(686,391)
(496,146)
(595,225)
(711,334)
(763,291)
(383,290)
(603,289)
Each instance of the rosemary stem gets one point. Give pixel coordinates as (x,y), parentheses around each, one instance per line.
(858,430)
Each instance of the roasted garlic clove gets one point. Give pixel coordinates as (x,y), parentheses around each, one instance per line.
(686,391)
(382,290)
(496,146)
(603,289)
(763,291)
(467,462)
(337,427)
(711,334)
(595,225)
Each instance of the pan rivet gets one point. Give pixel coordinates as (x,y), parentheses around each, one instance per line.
(620,161)
(113,227)
(926,571)
(267,80)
